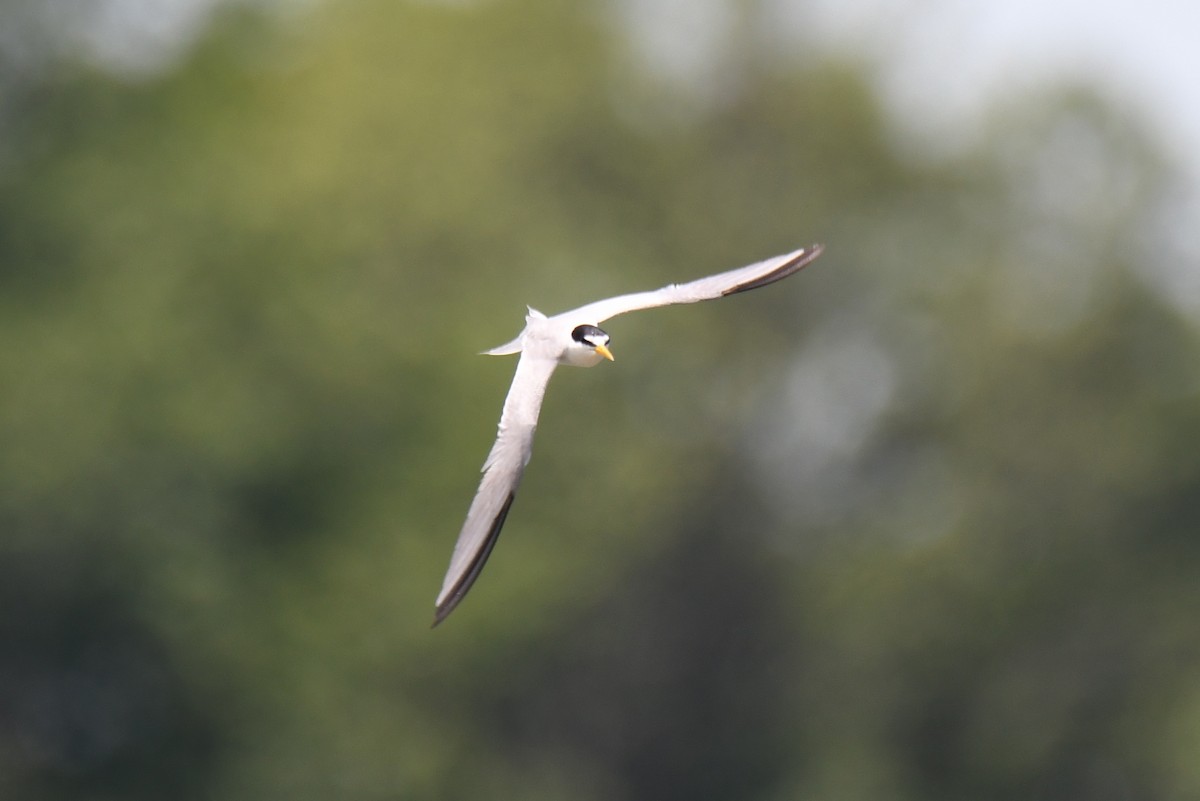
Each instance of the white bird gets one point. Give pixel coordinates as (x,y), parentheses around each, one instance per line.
(574,338)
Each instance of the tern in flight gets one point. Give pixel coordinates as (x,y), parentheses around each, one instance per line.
(574,338)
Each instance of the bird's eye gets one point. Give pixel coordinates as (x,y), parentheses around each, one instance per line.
(589,335)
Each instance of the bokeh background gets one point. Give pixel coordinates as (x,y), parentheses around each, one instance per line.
(922,522)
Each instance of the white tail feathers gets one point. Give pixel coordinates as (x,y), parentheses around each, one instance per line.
(509,348)
(506,349)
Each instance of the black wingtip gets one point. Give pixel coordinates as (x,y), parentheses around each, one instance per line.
(443,610)
(793,265)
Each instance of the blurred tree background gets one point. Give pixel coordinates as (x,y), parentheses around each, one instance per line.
(920,523)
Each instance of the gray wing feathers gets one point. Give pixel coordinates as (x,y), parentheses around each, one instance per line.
(502,473)
(730,282)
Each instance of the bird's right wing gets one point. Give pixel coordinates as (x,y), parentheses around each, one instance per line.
(729,282)
(502,473)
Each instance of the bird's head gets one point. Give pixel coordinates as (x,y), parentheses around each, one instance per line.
(588,345)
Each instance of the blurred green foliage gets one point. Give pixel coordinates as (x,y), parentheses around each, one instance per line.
(920,523)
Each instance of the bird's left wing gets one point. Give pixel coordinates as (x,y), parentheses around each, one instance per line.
(730,282)
(502,473)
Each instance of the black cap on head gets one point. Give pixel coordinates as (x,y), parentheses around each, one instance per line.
(589,335)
